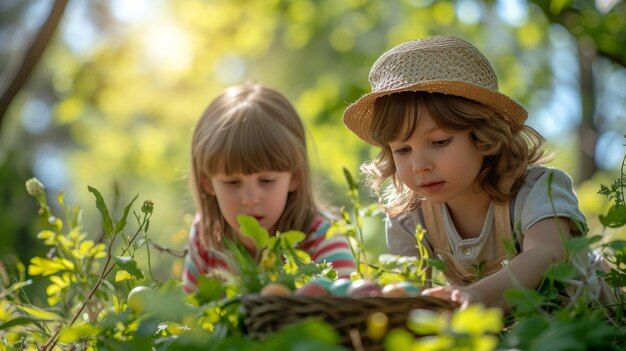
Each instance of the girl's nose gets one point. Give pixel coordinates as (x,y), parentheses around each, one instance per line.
(421,163)
(250,196)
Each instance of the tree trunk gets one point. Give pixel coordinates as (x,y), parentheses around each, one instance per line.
(587,131)
(14,79)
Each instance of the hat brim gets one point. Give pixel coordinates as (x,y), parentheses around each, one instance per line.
(358,115)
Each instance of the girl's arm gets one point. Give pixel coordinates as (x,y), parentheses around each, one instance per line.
(199,261)
(194,264)
(543,247)
(335,250)
(193,267)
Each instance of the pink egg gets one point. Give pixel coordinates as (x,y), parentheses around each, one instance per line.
(400,289)
(364,288)
(275,289)
(393,290)
(311,288)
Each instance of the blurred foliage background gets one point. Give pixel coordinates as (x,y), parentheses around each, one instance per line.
(106,93)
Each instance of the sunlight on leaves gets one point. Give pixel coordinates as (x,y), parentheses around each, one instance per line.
(122,275)
(39,313)
(44,266)
(78,332)
(476,320)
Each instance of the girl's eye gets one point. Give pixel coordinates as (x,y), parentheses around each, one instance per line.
(402,150)
(267,180)
(442,142)
(231,182)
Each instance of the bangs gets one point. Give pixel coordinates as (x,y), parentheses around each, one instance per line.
(252,143)
(397,115)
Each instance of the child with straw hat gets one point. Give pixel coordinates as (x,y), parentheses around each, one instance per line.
(457,159)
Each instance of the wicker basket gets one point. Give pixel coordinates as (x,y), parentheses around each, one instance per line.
(266,314)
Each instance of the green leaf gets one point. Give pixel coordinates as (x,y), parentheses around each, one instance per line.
(618,245)
(578,335)
(476,320)
(122,222)
(527,330)
(524,300)
(78,332)
(39,313)
(15,286)
(104,212)
(437,264)
(292,237)
(349,179)
(210,288)
(399,339)
(302,256)
(580,243)
(251,228)
(128,264)
(19,321)
(615,218)
(426,322)
(310,269)
(561,272)
(311,334)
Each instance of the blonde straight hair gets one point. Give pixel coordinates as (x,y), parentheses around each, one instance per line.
(508,152)
(248,129)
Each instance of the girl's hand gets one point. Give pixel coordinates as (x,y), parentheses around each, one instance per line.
(461,296)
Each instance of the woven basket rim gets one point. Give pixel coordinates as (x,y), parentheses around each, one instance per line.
(255,297)
(266,314)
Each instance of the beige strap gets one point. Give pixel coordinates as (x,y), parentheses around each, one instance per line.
(458,273)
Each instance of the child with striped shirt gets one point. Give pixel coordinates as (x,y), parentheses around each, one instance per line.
(249,157)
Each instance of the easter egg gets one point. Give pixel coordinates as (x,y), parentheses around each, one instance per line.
(340,287)
(323,281)
(136,299)
(409,288)
(400,289)
(275,289)
(312,289)
(364,288)
(393,290)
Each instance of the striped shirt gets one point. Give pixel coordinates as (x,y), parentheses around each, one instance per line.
(336,251)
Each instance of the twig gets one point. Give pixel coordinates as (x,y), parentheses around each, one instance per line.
(52,341)
(163,249)
(355,338)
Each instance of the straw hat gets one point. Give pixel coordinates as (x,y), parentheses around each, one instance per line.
(441,64)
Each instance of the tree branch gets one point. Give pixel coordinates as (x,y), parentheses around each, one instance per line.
(14,80)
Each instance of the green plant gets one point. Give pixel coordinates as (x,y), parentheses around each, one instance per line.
(542,321)
(87,305)
(79,293)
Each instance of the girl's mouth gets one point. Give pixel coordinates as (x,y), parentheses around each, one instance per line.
(432,187)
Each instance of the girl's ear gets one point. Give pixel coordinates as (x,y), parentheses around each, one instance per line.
(294,183)
(206,185)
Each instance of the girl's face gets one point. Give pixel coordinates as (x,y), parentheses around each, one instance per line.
(439,165)
(260,195)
